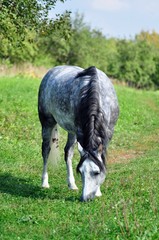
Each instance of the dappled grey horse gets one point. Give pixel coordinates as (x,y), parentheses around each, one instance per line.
(84,103)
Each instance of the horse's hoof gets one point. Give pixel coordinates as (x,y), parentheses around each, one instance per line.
(45,186)
(73,187)
(98,193)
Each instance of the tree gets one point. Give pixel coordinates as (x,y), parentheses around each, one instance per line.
(152,40)
(53,45)
(137,65)
(22,21)
(90,47)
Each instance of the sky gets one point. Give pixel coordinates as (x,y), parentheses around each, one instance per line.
(115,18)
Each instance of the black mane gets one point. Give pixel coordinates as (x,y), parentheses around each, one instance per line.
(90,117)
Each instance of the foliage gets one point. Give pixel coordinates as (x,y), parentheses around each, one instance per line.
(134,61)
(90,47)
(28,35)
(129,207)
(21,24)
(137,63)
(53,43)
(153,40)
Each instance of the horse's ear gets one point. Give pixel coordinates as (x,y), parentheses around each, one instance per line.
(80,149)
(100,149)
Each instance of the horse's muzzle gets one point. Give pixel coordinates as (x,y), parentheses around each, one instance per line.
(87,197)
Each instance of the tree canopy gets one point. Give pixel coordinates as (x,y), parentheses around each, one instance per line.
(21,24)
(27,34)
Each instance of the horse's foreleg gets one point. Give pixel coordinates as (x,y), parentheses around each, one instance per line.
(69,150)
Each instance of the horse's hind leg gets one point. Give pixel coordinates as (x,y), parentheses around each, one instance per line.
(69,150)
(48,126)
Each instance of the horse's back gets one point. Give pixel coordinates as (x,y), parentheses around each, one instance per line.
(57,82)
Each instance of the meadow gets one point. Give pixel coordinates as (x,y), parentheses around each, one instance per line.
(129,206)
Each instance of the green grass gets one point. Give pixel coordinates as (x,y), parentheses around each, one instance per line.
(129,206)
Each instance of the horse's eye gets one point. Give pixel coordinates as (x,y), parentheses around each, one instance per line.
(96,173)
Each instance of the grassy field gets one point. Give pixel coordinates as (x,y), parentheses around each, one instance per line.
(129,207)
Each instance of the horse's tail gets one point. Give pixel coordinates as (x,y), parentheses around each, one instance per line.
(54,156)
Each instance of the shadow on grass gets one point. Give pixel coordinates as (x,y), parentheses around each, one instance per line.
(22,187)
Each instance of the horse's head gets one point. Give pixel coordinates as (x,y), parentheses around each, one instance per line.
(93,172)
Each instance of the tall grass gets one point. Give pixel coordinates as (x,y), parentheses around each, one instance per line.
(129,206)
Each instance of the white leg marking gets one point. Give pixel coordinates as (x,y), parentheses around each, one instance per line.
(98,193)
(45,183)
(70,176)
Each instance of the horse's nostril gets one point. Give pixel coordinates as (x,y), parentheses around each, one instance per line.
(82,199)
(87,198)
